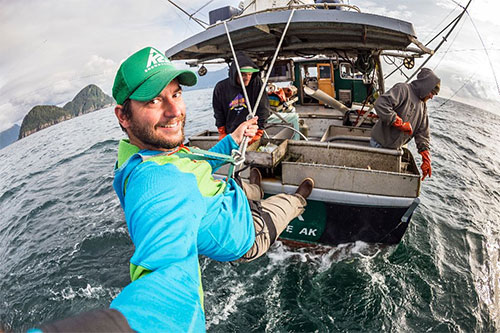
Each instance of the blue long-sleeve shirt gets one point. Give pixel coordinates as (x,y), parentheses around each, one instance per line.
(175,210)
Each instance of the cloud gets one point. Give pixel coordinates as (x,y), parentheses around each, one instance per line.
(51,49)
(399,11)
(7,113)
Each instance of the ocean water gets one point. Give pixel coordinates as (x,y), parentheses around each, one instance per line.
(64,245)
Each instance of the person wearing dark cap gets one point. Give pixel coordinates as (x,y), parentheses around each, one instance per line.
(402,113)
(230,107)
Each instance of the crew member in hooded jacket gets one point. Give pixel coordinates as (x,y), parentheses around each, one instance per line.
(403,115)
(230,107)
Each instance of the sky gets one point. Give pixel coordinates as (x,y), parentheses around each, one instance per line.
(51,49)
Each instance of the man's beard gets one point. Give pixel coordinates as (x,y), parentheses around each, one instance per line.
(147,136)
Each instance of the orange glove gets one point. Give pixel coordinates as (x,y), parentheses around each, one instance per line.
(222,132)
(426,164)
(257,136)
(403,127)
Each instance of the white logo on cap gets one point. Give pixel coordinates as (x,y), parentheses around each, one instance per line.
(155,59)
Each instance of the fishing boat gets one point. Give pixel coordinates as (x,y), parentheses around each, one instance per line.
(327,58)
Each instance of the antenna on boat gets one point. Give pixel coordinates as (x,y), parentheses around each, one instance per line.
(191,16)
(445,38)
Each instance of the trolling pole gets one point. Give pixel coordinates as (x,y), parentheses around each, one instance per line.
(239,155)
(439,33)
(441,43)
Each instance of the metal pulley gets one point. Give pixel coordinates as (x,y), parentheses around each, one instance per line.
(202,71)
(409,62)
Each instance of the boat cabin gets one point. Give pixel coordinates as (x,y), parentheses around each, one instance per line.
(338,78)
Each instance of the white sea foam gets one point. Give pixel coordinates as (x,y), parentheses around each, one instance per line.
(323,256)
(88,292)
(227,305)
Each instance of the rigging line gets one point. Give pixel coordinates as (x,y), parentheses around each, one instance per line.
(393,229)
(456,3)
(251,3)
(200,22)
(387,60)
(451,44)
(251,113)
(456,92)
(235,59)
(393,62)
(269,70)
(443,30)
(472,50)
(436,27)
(486,51)
(244,142)
(206,4)
(440,43)
(437,35)
(185,23)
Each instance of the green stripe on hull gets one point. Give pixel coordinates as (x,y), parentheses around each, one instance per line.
(309,226)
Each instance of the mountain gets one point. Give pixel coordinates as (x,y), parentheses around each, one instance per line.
(9,136)
(90,98)
(87,100)
(42,116)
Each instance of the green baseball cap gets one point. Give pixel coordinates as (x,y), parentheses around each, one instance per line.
(248,69)
(145,74)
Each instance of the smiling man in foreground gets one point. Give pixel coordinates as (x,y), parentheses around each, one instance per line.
(174,208)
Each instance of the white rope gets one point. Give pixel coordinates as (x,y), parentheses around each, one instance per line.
(239,156)
(238,69)
(261,92)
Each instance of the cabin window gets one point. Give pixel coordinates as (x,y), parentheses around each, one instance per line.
(311,71)
(309,75)
(324,72)
(347,72)
(282,71)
